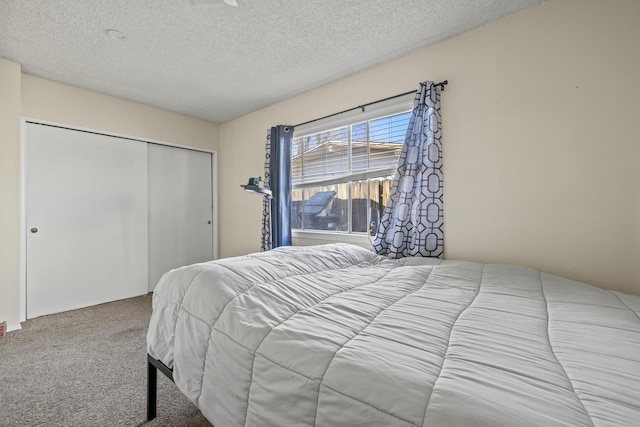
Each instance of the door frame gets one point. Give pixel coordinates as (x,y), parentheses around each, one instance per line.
(22,202)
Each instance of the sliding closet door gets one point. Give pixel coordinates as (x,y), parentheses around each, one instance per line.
(180,209)
(86,219)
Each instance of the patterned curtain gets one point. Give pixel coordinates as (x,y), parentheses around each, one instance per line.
(276,215)
(412,222)
(265,241)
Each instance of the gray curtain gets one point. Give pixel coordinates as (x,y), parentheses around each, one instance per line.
(276,212)
(412,222)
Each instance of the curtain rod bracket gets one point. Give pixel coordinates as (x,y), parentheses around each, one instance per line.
(442,84)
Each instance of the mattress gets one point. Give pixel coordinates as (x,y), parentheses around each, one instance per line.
(335,335)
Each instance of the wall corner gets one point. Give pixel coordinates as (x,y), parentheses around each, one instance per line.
(10,110)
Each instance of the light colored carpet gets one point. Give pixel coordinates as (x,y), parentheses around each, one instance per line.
(86,367)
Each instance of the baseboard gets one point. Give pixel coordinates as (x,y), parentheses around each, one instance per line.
(11,328)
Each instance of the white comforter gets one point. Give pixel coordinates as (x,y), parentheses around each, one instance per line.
(337,336)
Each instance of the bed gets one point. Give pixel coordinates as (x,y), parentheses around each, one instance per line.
(335,335)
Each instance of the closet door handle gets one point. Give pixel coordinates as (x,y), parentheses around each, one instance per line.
(34,230)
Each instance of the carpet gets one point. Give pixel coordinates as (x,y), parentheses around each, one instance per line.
(86,367)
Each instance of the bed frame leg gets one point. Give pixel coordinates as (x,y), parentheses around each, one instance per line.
(152,389)
(153,366)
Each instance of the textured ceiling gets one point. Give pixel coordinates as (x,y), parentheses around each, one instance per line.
(223,62)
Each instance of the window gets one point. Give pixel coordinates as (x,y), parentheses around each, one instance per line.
(342,175)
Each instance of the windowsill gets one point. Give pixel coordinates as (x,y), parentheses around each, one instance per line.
(306,238)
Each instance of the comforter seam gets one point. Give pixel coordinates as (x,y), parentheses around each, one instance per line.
(359,332)
(444,358)
(206,346)
(284,320)
(546,304)
(176,312)
(213,324)
(212,327)
(313,379)
(629,308)
(599,325)
(262,259)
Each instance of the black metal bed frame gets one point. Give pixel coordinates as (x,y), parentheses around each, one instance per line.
(153,365)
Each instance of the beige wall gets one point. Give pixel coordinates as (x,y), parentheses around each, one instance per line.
(48,100)
(42,99)
(9,191)
(540,140)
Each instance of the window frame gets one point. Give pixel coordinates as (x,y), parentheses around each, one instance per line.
(395,106)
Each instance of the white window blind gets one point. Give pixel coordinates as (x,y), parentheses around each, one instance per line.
(342,169)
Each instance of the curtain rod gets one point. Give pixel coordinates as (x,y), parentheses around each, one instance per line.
(442,84)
